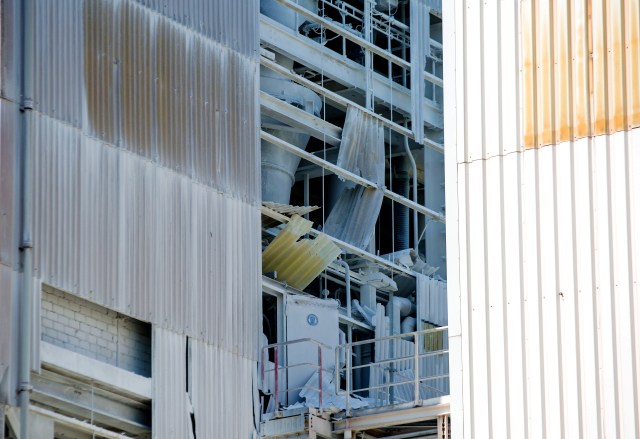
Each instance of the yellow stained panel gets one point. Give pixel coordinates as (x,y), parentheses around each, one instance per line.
(580,68)
(298,262)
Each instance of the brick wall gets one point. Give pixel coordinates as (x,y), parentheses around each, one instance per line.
(95,331)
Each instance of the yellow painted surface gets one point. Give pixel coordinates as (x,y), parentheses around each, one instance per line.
(298,262)
(580,68)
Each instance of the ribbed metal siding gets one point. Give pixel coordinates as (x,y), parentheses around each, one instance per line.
(221,386)
(542,251)
(171,411)
(581,68)
(123,232)
(232,23)
(136,79)
(222,392)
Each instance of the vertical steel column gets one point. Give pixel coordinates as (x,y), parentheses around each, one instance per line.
(368,56)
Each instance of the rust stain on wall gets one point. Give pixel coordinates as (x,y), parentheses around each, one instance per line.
(170,94)
(100,62)
(580,64)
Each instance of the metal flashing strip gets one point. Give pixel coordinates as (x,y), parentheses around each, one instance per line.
(349,175)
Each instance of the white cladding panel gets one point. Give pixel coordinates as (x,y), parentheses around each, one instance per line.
(543,247)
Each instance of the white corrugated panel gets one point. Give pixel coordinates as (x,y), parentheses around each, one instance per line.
(543,246)
(223,392)
(124,232)
(431,300)
(220,383)
(171,410)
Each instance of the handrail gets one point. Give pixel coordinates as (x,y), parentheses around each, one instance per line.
(278,368)
(390,365)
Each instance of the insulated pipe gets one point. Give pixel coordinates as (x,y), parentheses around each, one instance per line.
(347,281)
(414,169)
(401,212)
(26,246)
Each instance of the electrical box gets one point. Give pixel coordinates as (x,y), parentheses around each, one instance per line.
(317,319)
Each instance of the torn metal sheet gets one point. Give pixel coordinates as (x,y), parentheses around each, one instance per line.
(362,146)
(298,262)
(353,218)
(284,209)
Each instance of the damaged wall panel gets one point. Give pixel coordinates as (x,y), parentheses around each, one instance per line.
(354,216)
(298,261)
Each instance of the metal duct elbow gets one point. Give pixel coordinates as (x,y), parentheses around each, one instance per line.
(278,166)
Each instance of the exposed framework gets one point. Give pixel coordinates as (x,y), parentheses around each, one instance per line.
(327,65)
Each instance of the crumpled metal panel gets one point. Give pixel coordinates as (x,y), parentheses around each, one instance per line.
(362,146)
(353,218)
(122,231)
(298,262)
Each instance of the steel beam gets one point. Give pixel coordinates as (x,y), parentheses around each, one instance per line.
(342,70)
(343,245)
(297,118)
(338,29)
(343,102)
(350,176)
(390,418)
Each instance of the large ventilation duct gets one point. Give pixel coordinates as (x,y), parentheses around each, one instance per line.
(284,15)
(278,166)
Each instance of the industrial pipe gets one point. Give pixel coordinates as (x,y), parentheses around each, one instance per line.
(26,245)
(401,212)
(415,190)
(347,281)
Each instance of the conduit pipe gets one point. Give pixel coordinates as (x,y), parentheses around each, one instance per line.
(26,245)
(347,281)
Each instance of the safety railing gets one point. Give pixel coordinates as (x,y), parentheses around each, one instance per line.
(408,368)
(282,365)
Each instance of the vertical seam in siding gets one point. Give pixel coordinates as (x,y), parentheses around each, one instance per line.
(576,289)
(487,317)
(594,281)
(539,295)
(557,295)
(634,365)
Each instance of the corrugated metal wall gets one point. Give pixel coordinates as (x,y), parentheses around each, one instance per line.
(581,69)
(146,182)
(543,248)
